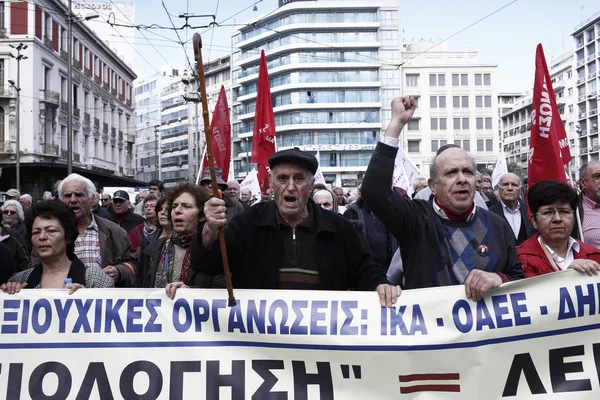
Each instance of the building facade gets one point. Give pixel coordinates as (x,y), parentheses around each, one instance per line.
(333,68)
(587,62)
(457,104)
(102,93)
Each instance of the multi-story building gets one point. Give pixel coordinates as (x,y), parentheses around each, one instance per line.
(457,103)
(516,123)
(333,68)
(148,121)
(173,142)
(587,58)
(506,102)
(103,124)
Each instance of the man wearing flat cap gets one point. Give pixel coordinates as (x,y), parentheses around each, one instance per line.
(233,207)
(123,215)
(289,243)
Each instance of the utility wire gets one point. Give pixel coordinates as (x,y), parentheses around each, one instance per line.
(178,37)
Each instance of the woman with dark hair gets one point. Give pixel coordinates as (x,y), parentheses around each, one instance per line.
(53,230)
(552,205)
(165,263)
(150,250)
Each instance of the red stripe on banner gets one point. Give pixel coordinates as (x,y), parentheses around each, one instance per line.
(430,388)
(428,377)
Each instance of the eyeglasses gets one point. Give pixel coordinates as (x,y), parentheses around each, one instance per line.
(105,200)
(562,212)
(9,212)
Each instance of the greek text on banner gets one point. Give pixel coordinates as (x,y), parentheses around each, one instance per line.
(532,339)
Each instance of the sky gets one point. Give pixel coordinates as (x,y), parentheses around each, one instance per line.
(508,38)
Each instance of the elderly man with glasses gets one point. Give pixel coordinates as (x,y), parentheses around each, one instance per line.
(552,206)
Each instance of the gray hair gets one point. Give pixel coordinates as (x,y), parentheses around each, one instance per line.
(26,197)
(47,193)
(90,187)
(417,181)
(509,173)
(584,167)
(234,183)
(433,168)
(148,198)
(17,205)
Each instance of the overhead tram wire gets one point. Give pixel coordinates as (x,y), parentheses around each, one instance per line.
(212,34)
(178,37)
(141,33)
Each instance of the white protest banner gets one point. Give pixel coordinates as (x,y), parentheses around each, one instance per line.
(250,182)
(532,339)
(404,172)
(319,175)
(500,168)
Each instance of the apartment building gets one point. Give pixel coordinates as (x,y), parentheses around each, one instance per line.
(102,94)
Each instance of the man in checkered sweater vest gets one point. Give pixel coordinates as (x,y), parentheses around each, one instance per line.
(446,241)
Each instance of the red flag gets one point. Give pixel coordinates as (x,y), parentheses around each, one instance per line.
(547,130)
(220,130)
(263,138)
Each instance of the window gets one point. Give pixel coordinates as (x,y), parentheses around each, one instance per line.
(479,101)
(438,124)
(437,80)
(436,144)
(457,123)
(489,145)
(460,101)
(413,125)
(488,101)
(480,144)
(412,80)
(464,144)
(569,74)
(434,124)
(433,101)
(437,101)
(487,79)
(465,123)
(460,79)
(488,123)
(570,109)
(479,123)
(443,125)
(414,146)
(478,80)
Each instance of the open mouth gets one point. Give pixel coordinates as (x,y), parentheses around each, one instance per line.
(289,199)
(178,220)
(462,192)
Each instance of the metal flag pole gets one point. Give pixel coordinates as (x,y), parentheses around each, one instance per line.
(577,215)
(197,40)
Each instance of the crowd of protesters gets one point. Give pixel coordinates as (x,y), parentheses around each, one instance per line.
(455,229)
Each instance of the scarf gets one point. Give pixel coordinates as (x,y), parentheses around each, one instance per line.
(166,262)
(148,229)
(453,217)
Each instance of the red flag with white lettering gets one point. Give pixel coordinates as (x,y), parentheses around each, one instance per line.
(263,138)
(545,161)
(220,130)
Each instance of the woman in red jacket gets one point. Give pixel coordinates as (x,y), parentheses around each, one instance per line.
(552,205)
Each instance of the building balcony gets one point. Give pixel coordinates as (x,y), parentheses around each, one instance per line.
(591,75)
(591,57)
(3,33)
(128,102)
(581,80)
(86,117)
(96,123)
(7,146)
(114,92)
(591,36)
(105,127)
(581,115)
(583,133)
(98,80)
(120,135)
(48,42)
(64,55)
(113,132)
(579,43)
(76,64)
(580,62)
(592,94)
(63,105)
(76,157)
(51,97)
(7,91)
(50,149)
(99,163)
(87,71)
(593,112)
(122,97)
(130,138)
(76,112)
(593,130)
(105,86)
(581,98)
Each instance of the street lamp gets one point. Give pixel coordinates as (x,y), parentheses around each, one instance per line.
(70,85)
(17,87)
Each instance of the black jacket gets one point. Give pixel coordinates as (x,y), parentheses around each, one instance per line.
(525,223)
(254,252)
(16,244)
(102,212)
(7,264)
(130,221)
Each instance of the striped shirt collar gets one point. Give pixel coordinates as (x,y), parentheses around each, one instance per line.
(589,203)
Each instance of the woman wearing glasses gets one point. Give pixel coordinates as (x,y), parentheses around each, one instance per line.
(552,205)
(13,217)
(53,233)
